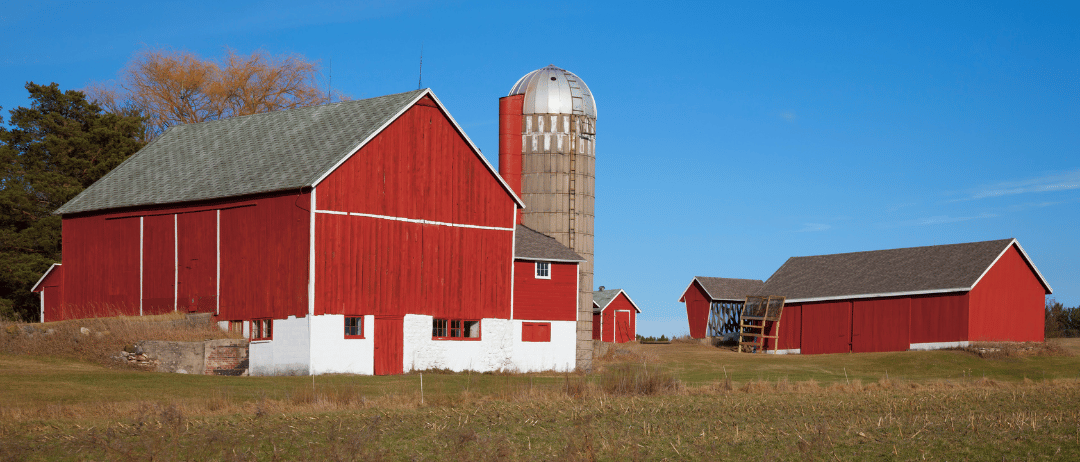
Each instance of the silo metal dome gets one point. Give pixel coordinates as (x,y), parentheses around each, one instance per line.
(553,90)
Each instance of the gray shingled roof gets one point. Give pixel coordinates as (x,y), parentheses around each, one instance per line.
(252,154)
(729,288)
(534,245)
(601,299)
(931,269)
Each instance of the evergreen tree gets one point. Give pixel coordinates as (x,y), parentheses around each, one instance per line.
(50,152)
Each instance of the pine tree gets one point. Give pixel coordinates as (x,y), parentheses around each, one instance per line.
(50,152)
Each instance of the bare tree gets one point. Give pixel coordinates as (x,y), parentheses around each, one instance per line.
(170,87)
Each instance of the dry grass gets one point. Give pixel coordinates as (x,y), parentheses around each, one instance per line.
(99,339)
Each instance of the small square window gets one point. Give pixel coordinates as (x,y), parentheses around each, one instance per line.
(262,329)
(438,328)
(543,270)
(354,327)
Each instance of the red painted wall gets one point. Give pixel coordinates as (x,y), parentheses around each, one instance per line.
(1008,303)
(697,309)
(826,327)
(628,322)
(264,251)
(939,318)
(197,258)
(596,326)
(552,299)
(385,267)
(420,167)
(790,329)
(159,264)
(880,324)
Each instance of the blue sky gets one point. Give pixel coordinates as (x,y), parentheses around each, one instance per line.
(730,136)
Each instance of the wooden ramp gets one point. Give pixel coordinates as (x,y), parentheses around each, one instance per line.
(760,315)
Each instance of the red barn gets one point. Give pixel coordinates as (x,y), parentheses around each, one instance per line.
(912,298)
(367,236)
(546,275)
(614,316)
(713,304)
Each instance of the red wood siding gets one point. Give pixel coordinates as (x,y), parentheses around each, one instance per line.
(420,167)
(939,318)
(264,267)
(197,251)
(389,345)
(826,327)
(880,325)
(264,258)
(790,337)
(697,309)
(552,299)
(623,325)
(1008,303)
(376,266)
(159,264)
(596,326)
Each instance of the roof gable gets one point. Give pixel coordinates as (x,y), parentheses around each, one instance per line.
(893,272)
(252,154)
(603,298)
(730,289)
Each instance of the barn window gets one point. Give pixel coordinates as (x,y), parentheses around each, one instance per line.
(543,270)
(236,327)
(455,329)
(354,327)
(262,329)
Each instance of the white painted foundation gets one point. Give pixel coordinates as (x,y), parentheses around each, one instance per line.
(939,345)
(499,349)
(289,353)
(793,351)
(332,353)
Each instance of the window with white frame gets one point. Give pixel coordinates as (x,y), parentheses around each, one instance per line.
(543,270)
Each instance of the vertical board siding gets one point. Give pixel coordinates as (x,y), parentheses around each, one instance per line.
(53,288)
(939,318)
(790,337)
(881,325)
(101,276)
(159,264)
(1008,303)
(197,256)
(626,322)
(596,326)
(623,331)
(120,266)
(552,299)
(826,327)
(366,265)
(697,309)
(419,167)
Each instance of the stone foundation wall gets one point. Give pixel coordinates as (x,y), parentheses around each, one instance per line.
(211,357)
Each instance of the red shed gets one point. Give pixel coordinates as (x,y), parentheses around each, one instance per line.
(614,316)
(50,289)
(713,304)
(912,298)
(366,236)
(546,275)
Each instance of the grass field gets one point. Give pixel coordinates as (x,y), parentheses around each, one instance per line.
(682,401)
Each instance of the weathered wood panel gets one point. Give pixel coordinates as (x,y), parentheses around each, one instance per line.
(197,259)
(159,264)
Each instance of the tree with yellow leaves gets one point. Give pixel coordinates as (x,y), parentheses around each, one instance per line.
(170,87)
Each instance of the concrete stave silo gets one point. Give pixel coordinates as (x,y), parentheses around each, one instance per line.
(547,154)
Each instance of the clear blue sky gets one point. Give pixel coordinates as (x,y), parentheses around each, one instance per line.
(730,137)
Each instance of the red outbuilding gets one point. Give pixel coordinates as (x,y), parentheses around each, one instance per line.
(614,316)
(713,304)
(912,298)
(366,236)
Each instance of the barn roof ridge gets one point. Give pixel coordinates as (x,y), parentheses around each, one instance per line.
(607,296)
(891,272)
(252,154)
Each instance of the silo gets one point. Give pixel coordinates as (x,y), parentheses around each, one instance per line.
(547,134)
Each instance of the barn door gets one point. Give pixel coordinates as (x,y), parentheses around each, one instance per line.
(826,328)
(622,326)
(389,346)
